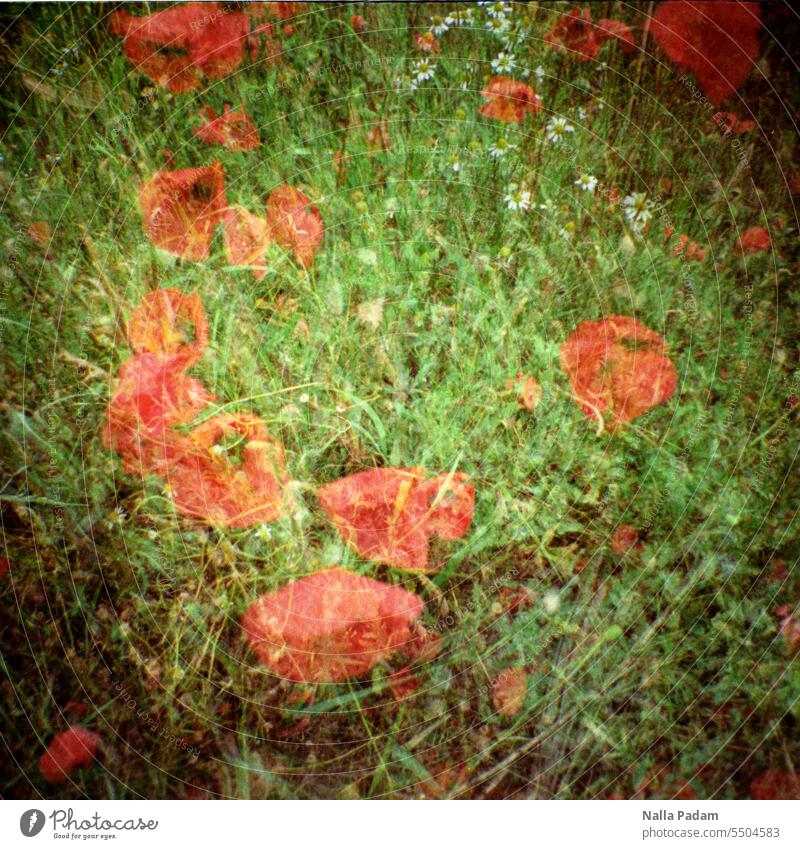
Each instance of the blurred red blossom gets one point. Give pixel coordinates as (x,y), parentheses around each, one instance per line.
(234,130)
(246,240)
(169,322)
(624,539)
(390,514)
(718,42)
(69,750)
(574,33)
(509,100)
(775,784)
(177,46)
(181,209)
(294,223)
(358,23)
(508,691)
(618,369)
(330,626)
(731,125)
(754,240)
(427,43)
(207,484)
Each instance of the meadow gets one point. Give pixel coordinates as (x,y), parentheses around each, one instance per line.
(645,577)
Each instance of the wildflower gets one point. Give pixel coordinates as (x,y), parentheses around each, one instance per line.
(460,17)
(439,25)
(500,148)
(503,64)
(581,114)
(539,72)
(566,233)
(509,100)
(548,206)
(638,209)
(454,163)
(498,10)
(497,26)
(517,198)
(264,532)
(587,182)
(754,240)
(424,70)
(557,128)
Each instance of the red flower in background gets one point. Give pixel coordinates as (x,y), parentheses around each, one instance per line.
(390,514)
(177,46)
(358,23)
(624,539)
(575,33)
(234,130)
(731,125)
(754,240)
(618,369)
(718,42)
(294,223)
(330,626)
(775,784)
(509,100)
(207,484)
(69,750)
(170,323)
(246,240)
(181,209)
(427,43)
(152,396)
(508,691)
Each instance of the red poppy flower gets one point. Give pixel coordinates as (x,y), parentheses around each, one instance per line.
(170,323)
(283,11)
(390,514)
(427,43)
(718,42)
(618,369)
(152,396)
(181,209)
(508,691)
(754,240)
(775,784)
(607,29)
(294,223)
(358,23)
(207,484)
(69,750)
(246,240)
(509,100)
(574,33)
(731,125)
(624,539)
(175,47)
(233,130)
(330,626)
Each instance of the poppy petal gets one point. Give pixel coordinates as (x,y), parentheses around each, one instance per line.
(294,223)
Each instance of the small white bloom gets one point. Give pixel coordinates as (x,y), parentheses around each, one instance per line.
(500,148)
(548,206)
(264,532)
(503,64)
(539,73)
(587,182)
(439,25)
(638,209)
(581,114)
(551,602)
(424,69)
(557,128)
(517,198)
(460,17)
(497,26)
(565,234)
(455,164)
(498,10)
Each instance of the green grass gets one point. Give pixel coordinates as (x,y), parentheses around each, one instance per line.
(665,664)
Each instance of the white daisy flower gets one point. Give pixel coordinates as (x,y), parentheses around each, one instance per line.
(460,17)
(557,128)
(424,69)
(587,182)
(500,148)
(264,532)
(498,26)
(638,209)
(498,10)
(517,198)
(439,25)
(503,64)
(548,206)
